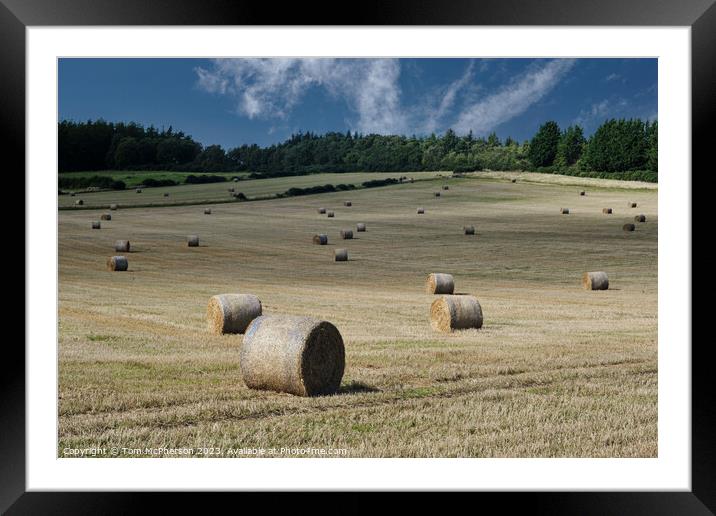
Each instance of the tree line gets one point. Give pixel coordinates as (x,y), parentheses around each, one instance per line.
(618,148)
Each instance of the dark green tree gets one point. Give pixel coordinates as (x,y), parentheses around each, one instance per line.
(543,147)
(570,147)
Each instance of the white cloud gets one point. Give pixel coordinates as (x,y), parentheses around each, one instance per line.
(598,112)
(434,117)
(612,77)
(512,100)
(270,88)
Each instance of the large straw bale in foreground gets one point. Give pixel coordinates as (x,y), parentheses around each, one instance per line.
(117,263)
(595,280)
(449,313)
(298,355)
(341,255)
(440,283)
(231,313)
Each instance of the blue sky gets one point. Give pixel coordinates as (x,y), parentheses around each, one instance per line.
(235,101)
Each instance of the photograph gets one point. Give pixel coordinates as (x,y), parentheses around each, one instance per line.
(357,257)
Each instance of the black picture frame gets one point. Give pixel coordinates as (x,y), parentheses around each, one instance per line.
(17,15)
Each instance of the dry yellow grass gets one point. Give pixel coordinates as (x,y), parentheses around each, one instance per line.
(555,371)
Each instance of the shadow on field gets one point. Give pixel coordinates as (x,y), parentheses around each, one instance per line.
(356,388)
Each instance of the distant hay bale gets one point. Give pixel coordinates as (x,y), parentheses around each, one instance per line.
(607,211)
(514,180)
(564,211)
(79,202)
(436,194)
(448,313)
(231,313)
(341,255)
(440,283)
(121,246)
(582,193)
(117,263)
(192,241)
(96,224)
(631,204)
(360,227)
(113,207)
(640,218)
(139,190)
(320,239)
(166,194)
(347,203)
(105,216)
(346,234)
(469,230)
(321,210)
(421,211)
(595,280)
(72,194)
(330,214)
(207,211)
(446,187)
(628,227)
(293,354)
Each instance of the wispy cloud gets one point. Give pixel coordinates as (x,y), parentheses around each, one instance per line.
(600,111)
(612,77)
(513,99)
(271,88)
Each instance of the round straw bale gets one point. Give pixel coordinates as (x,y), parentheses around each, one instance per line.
(207,211)
(346,234)
(105,216)
(640,218)
(631,204)
(564,211)
(341,255)
(192,241)
(139,190)
(595,280)
(347,203)
(628,227)
(112,206)
(330,214)
(582,193)
(117,263)
(320,239)
(469,230)
(440,283)
(166,194)
(360,227)
(96,224)
(79,202)
(293,354)
(448,313)
(514,180)
(321,210)
(421,211)
(121,246)
(607,211)
(231,313)
(446,187)
(436,194)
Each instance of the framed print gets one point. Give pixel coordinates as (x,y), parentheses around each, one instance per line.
(426,249)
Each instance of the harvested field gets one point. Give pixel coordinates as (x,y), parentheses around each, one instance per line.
(555,370)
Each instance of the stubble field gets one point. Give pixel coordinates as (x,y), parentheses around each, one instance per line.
(556,371)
